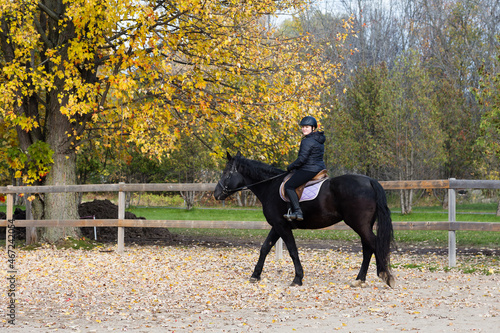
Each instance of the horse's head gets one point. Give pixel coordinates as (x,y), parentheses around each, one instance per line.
(230,180)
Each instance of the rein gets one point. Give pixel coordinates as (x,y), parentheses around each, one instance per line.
(227,191)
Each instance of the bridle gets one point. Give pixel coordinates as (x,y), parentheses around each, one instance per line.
(227,192)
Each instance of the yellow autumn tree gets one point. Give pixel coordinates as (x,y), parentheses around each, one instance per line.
(150,71)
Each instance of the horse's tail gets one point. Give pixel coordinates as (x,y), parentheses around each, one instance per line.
(385,233)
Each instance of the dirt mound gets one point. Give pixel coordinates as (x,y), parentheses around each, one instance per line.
(105,209)
(19,214)
(20,233)
(102,209)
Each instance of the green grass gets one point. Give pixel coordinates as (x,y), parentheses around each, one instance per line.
(466,212)
(199,214)
(67,243)
(461,207)
(463,217)
(82,243)
(255,214)
(431,237)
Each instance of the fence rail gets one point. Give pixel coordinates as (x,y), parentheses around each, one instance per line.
(450,184)
(155,187)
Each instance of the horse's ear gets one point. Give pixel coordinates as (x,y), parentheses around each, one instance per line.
(229,157)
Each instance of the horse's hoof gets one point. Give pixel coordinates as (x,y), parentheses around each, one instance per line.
(388,278)
(355,284)
(254,279)
(358,284)
(391,282)
(295,284)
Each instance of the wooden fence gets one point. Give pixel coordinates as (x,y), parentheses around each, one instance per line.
(452,225)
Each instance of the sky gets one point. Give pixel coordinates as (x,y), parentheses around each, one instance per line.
(333,6)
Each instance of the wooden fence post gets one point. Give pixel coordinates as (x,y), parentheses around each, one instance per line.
(452,217)
(121,216)
(10,215)
(279,249)
(31,236)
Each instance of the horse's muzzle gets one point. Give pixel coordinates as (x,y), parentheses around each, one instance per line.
(219,193)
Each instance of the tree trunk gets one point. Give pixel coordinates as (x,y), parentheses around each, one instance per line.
(31,234)
(189,199)
(252,200)
(128,199)
(42,104)
(498,209)
(445,200)
(406,201)
(60,136)
(61,205)
(138,203)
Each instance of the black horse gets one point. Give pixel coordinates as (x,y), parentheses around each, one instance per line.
(357,200)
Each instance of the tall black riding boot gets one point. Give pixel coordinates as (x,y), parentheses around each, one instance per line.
(294,200)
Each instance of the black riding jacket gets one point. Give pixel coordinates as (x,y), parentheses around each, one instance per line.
(311,153)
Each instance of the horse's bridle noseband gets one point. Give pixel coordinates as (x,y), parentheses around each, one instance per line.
(225,190)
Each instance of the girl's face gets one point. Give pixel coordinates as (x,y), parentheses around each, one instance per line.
(306,130)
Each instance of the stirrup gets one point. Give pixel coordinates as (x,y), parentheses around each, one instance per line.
(289,216)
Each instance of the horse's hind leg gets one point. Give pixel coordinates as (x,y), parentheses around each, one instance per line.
(266,247)
(369,242)
(368,250)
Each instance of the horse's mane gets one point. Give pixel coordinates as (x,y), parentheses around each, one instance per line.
(256,169)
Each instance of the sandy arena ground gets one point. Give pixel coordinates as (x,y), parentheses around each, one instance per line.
(198,288)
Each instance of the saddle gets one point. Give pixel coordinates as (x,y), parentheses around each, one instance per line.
(309,187)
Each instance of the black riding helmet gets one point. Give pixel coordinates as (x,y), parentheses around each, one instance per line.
(309,121)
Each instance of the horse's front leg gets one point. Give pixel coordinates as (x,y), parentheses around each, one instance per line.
(287,235)
(266,247)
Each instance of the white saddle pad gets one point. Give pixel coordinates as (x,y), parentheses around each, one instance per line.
(309,193)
